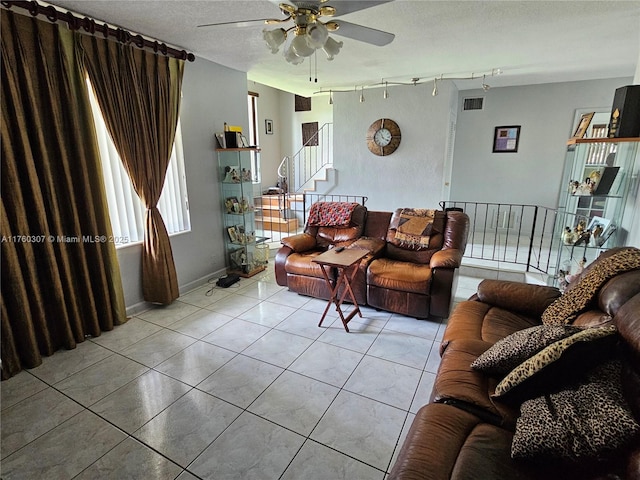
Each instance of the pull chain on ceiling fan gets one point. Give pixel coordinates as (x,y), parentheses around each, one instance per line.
(311,34)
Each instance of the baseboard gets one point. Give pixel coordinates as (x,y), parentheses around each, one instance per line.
(187,287)
(143,306)
(137,308)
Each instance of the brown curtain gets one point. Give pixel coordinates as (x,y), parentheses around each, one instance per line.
(139,95)
(60,281)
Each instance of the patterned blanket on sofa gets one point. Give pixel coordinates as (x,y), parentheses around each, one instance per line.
(331,214)
(414,227)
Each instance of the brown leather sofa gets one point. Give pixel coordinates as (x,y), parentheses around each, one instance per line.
(416,282)
(465,433)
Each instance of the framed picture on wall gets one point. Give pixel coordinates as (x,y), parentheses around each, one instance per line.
(506,139)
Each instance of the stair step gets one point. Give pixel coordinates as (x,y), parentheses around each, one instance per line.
(276,200)
(273,208)
(271,212)
(277,224)
(268,200)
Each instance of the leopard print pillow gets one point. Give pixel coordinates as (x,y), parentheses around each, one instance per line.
(548,356)
(567,307)
(509,352)
(586,420)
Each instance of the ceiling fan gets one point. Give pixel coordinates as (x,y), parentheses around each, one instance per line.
(311,33)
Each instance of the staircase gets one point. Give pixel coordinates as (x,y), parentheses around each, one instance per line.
(277,213)
(308,174)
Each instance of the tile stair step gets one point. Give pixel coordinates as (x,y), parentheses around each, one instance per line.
(268,201)
(276,200)
(277,224)
(271,212)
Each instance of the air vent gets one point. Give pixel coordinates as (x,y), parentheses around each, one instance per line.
(473,103)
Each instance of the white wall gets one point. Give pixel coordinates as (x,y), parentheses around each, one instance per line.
(532,175)
(270,151)
(278,106)
(413,176)
(212,95)
(291,130)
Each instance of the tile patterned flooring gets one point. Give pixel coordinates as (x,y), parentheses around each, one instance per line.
(241,384)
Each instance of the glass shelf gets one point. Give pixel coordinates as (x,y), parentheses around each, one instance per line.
(588,163)
(238,190)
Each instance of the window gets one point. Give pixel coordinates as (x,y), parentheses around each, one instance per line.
(125,208)
(252,105)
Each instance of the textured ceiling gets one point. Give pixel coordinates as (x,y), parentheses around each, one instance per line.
(531,41)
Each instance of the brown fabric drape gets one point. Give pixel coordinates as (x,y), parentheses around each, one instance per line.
(139,95)
(60,281)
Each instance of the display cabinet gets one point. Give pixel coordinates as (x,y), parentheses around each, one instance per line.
(598,173)
(237,187)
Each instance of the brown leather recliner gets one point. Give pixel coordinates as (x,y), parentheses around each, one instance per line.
(294,266)
(419,280)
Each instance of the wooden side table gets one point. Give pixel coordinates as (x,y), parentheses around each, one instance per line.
(347,263)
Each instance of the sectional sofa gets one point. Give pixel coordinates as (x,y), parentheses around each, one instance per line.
(533,384)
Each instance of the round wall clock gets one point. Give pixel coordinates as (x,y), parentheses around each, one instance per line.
(383,137)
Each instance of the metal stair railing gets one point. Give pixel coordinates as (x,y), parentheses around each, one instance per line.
(510,233)
(314,155)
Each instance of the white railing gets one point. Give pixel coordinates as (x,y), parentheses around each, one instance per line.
(315,155)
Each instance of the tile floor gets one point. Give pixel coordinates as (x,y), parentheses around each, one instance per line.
(241,384)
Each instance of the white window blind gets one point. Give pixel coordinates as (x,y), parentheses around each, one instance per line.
(125,208)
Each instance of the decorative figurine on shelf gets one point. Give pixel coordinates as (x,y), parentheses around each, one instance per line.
(246,268)
(573,277)
(585,188)
(596,234)
(583,238)
(573,186)
(562,280)
(567,236)
(231,175)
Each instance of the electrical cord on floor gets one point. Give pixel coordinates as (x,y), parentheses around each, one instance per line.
(214,286)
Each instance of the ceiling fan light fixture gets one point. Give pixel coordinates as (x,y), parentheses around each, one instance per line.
(274,38)
(331,48)
(330,97)
(326,11)
(291,57)
(300,46)
(385,94)
(317,35)
(435,87)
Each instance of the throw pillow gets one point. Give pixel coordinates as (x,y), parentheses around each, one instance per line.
(567,307)
(587,420)
(509,352)
(548,357)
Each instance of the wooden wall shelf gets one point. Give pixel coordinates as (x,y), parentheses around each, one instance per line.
(574,141)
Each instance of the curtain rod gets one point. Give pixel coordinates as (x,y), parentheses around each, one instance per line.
(92,27)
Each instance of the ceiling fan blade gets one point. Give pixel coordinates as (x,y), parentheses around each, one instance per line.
(348,6)
(241,23)
(363,34)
